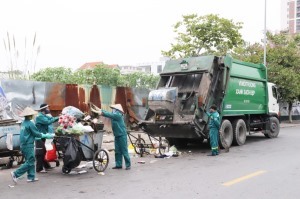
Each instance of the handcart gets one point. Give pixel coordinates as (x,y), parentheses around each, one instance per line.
(140,145)
(12,128)
(73,153)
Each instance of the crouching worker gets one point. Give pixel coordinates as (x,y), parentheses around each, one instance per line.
(120,133)
(28,134)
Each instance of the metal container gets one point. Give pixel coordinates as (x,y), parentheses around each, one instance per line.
(9,127)
(91,142)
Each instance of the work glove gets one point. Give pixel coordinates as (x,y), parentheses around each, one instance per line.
(47,136)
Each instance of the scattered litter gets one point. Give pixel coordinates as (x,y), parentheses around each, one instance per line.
(88,165)
(131,149)
(11,186)
(141,162)
(73,173)
(108,141)
(153,161)
(173,149)
(81,166)
(169,154)
(160,156)
(101,173)
(83,171)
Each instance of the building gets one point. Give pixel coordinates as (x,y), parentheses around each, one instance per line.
(290,16)
(91,65)
(147,67)
(129,69)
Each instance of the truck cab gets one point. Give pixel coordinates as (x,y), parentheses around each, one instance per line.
(273,100)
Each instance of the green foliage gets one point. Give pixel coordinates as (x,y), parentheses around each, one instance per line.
(57,74)
(283,63)
(207,34)
(100,75)
(249,53)
(140,80)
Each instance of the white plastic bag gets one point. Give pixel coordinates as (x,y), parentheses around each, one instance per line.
(73,111)
(48,144)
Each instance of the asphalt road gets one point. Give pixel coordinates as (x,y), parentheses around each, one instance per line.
(262,168)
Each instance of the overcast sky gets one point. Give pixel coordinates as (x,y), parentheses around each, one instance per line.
(73,32)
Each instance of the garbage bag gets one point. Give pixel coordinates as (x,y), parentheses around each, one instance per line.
(73,154)
(73,111)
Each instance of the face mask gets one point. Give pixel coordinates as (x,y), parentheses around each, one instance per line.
(114,111)
(47,111)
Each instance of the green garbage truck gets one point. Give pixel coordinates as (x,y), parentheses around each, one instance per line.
(246,101)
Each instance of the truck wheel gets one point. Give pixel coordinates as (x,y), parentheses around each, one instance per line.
(239,132)
(226,134)
(274,128)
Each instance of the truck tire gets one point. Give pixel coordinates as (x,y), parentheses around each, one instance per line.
(226,134)
(274,128)
(239,132)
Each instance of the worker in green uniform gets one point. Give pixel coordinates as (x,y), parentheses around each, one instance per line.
(42,122)
(214,126)
(120,133)
(28,134)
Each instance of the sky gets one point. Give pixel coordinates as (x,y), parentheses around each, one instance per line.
(70,33)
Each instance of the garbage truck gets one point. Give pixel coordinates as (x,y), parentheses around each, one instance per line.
(246,101)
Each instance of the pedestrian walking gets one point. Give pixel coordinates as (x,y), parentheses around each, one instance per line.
(214,126)
(28,134)
(120,133)
(42,122)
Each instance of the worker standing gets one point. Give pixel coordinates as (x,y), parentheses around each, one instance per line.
(28,134)
(42,122)
(120,133)
(214,126)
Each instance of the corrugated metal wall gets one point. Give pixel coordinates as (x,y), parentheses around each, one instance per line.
(21,93)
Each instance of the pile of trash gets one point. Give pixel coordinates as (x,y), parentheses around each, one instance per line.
(69,122)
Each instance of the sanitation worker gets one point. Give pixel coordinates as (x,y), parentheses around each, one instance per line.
(120,133)
(214,126)
(42,122)
(28,134)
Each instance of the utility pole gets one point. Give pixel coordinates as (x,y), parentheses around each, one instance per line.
(265,35)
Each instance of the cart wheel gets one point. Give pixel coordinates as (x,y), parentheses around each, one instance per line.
(101,160)
(164,146)
(19,158)
(10,163)
(139,146)
(65,170)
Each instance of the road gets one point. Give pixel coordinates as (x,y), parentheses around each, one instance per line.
(262,168)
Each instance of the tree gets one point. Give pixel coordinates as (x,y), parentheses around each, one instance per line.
(283,63)
(56,74)
(140,80)
(247,52)
(100,75)
(284,66)
(204,34)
